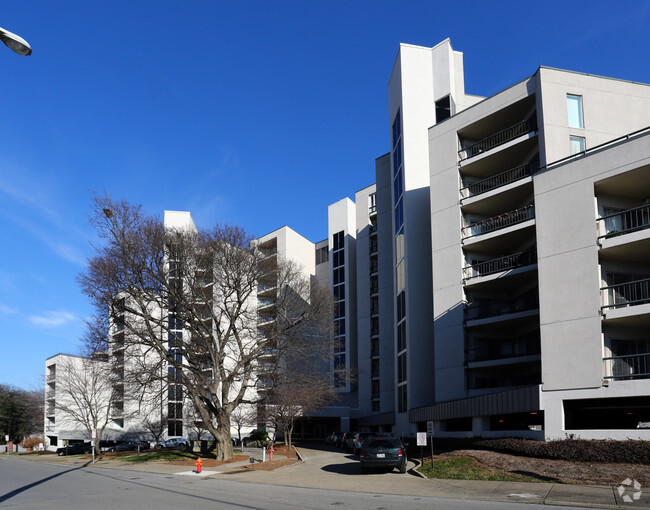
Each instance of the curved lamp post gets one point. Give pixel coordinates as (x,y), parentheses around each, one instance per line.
(15,42)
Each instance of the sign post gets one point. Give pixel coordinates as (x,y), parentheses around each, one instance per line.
(422,441)
(92,442)
(430,434)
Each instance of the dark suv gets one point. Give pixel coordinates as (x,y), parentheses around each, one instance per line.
(382,452)
(74,449)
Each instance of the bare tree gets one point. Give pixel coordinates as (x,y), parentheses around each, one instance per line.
(243,417)
(188,299)
(85,394)
(156,427)
(302,382)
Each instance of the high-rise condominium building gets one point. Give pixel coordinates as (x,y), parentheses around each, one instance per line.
(495,279)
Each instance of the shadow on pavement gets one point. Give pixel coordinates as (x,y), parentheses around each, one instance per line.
(9,495)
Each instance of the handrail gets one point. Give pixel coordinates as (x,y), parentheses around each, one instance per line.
(499,138)
(627,294)
(498,222)
(595,148)
(487,267)
(498,180)
(631,220)
(497,307)
(630,366)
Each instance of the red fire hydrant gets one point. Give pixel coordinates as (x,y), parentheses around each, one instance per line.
(270,453)
(199,465)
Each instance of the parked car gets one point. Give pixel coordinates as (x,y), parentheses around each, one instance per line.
(341,441)
(331,439)
(177,443)
(74,449)
(355,442)
(382,452)
(128,446)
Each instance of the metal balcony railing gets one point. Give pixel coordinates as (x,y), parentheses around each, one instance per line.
(504,350)
(632,366)
(499,138)
(626,294)
(498,222)
(485,308)
(487,267)
(624,222)
(496,181)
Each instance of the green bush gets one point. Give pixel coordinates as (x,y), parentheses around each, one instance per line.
(259,437)
(633,452)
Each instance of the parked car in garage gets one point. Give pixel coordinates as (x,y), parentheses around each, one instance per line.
(382,452)
(74,449)
(331,439)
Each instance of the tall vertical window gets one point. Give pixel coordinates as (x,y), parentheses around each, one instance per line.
(443,108)
(338,291)
(400,268)
(576,144)
(574,107)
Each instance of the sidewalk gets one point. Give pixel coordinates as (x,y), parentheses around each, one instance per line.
(324,470)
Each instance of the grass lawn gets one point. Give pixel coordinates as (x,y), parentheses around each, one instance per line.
(467,468)
(164,455)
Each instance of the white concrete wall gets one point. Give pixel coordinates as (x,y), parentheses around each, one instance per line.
(341,216)
(611,108)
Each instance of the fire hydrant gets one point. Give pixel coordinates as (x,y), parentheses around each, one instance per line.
(199,465)
(270,453)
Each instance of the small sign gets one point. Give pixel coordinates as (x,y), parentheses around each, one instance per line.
(422,439)
(94,434)
(430,428)
(7,438)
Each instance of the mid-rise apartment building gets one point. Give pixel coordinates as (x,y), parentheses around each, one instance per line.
(495,279)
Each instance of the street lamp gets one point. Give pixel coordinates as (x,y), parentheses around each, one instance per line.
(15,42)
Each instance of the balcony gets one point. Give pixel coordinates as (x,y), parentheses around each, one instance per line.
(504,350)
(633,366)
(502,179)
(485,308)
(498,265)
(624,222)
(498,222)
(626,294)
(497,139)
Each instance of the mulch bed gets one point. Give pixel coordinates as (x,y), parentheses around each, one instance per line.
(560,471)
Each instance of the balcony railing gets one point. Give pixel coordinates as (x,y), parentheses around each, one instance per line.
(487,267)
(485,308)
(496,181)
(498,222)
(625,222)
(497,139)
(504,350)
(633,366)
(626,294)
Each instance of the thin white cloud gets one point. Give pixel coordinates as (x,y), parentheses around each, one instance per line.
(54,319)
(7,310)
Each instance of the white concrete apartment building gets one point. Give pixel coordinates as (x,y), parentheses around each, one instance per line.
(540,311)
(495,280)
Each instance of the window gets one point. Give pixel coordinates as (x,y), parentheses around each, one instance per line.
(576,145)
(372,202)
(339,239)
(443,108)
(402,398)
(574,107)
(401,368)
(322,255)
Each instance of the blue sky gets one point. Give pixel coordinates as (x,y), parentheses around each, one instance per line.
(256,113)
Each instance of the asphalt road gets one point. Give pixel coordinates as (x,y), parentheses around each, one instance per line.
(40,485)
